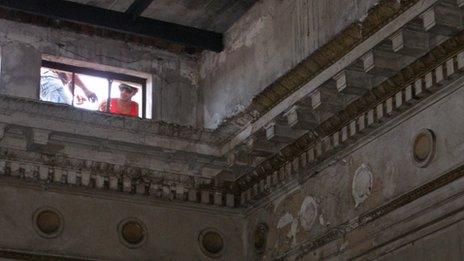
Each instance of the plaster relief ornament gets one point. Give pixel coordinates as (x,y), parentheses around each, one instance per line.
(362,184)
(308,213)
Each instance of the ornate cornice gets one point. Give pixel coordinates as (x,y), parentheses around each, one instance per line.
(373,107)
(342,43)
(66,172)
(319,60)
(369,111)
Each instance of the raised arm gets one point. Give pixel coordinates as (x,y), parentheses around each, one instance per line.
(90,95)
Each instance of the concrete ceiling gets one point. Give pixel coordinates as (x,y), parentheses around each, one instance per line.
(214,15)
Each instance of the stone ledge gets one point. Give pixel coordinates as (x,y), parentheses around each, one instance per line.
(63,118)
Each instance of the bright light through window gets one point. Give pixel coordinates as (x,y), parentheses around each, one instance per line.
(93,90)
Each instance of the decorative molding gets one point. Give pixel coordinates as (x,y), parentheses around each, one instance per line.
(423,148)
(37,168)
(341,44)
(370,111)
(56,231)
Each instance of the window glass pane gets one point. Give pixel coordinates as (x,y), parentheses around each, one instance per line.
(55,86)
(126,98)
(89,91)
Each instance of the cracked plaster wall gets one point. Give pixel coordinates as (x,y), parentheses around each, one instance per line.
(175,80)
(385,158)
(270,39)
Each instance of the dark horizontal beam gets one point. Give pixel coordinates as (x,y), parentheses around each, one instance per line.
(137,7)
(119,22)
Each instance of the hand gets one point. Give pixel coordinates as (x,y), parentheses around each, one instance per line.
(80,100)
(92,97)
(102,106)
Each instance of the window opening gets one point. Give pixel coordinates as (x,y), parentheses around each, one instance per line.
(94,90)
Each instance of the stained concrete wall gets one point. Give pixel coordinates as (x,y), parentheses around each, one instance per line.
(444,244)
(174,76)
(90,226)
(386,154)
(270,39)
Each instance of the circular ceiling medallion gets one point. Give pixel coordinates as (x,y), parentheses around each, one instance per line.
(48,222)
(260,237)
(132,232)
(211,243)
(423,148)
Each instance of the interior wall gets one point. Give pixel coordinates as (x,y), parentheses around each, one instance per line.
(270,39)
(363,178)
(90,229)
(174,76)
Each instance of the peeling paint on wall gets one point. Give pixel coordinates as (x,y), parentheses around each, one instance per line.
(362,184)
(285,220)
(247,37)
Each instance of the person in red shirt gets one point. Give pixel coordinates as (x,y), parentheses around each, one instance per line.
(123,105)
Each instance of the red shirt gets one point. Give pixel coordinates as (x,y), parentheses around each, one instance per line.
(114,108)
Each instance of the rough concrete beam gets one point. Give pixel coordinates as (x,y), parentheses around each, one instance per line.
(443,19)
(282,134)
(301,118)
(137,7)
(353,82)
(381,63)
(118,22)
(324,98)
(260,146)
(407,41)
(325,101)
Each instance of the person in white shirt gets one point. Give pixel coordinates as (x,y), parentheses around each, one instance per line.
(52,87)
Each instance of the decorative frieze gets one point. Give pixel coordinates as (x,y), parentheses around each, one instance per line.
(38,172)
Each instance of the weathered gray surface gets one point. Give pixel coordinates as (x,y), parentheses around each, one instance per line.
(19,78)
(445,244)
(174,76)
(90,229)
(274,36)
(271,38)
